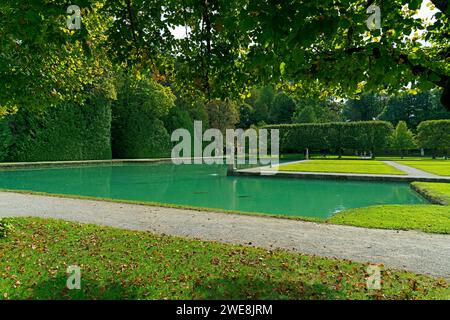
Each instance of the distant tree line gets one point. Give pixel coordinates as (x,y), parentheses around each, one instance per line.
(268,106)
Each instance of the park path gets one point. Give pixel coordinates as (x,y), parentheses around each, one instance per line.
(415,251)
(410,170)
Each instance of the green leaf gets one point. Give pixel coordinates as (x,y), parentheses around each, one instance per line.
(282,68)
(414,4)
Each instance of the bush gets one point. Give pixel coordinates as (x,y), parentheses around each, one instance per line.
(402,138)
(178,118)
(5,139)
(138,135)
(64,132)
(5,228)
(434,135)
(361,135)
(137,131)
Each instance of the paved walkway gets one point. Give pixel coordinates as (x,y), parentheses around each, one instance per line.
(410,250)
(410,170)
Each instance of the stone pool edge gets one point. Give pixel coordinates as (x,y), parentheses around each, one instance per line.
(49,164)
(336,176)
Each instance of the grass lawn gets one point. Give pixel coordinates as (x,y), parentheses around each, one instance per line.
(120,264)
(342,166)
(439,192)
(405,158)
(427,218)
(439,167)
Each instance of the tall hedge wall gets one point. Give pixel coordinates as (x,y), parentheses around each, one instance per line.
(361,135)
(137,134)
(434,135)
(65,132)
(137,128)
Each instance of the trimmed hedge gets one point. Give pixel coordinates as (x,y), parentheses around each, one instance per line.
(434,135)
(137,128)
(137,134)
(5,139)
(65,132)
(361,135)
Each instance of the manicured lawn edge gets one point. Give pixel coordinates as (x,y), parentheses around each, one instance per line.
(368,167)
(433,197)
(423,218)
(168,267)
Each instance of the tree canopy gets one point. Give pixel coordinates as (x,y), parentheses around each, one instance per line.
(227,47)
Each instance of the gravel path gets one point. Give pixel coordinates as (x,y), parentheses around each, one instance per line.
(415,251)
(410,170)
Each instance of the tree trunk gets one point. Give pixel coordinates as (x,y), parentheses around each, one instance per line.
(445,98)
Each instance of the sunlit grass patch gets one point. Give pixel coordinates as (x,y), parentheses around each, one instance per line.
(427,218)
(342,166)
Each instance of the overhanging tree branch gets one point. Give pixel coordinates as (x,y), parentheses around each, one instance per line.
(438,78)
(442,5)
(130,15)
(401,58)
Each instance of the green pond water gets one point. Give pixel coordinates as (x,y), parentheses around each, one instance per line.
(208,186)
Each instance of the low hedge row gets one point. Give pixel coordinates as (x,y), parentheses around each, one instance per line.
(362,135)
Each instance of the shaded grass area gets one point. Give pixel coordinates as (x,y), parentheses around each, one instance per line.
(427,218)
(342,166)
(120,264)
(436,192)
(439,167)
